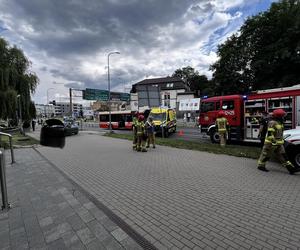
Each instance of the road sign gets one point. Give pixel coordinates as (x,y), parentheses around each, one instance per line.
(95,94)
(102,95)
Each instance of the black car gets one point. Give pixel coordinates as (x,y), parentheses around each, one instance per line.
(71,127)
(292,145)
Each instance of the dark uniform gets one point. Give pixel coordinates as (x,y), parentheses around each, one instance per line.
(150,132)
(263,130)
(274,144)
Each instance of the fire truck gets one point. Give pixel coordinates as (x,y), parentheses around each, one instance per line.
(244,112)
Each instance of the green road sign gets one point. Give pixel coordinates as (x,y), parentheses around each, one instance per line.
(102,95)
(95,94)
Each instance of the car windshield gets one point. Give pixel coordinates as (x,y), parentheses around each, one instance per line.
(158,116)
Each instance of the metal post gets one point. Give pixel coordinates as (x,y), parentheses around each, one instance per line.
(11,146)
(5,204)
(11,150)
(71,103)
(108,79)
(109,107)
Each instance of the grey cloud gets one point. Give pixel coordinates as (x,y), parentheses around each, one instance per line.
(81,27)
(44,68)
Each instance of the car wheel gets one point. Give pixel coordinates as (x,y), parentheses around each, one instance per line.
(296,157)
(214,136)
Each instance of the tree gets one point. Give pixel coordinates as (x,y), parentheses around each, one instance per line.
(15,79)
(264,54)
(195,81)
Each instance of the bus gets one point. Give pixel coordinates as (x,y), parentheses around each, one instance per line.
(119,119)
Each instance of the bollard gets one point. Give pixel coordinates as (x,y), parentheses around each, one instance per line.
(11,146)
(5,204)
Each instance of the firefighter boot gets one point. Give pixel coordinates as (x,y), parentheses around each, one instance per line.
(291,168)
(263,168)
(144,150)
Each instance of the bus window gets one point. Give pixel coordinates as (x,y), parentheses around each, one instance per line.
(128,118)
(228,105)
(218,106)
(207,106)
(103,118)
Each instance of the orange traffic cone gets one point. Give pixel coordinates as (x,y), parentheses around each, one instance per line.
(180,133)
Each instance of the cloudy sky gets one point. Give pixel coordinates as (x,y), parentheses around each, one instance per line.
(68,41)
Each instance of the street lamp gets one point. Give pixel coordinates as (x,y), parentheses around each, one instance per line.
(20,112)
(108,79)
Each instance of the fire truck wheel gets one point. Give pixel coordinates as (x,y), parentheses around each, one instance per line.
(214,136)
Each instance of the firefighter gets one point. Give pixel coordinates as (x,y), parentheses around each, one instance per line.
(222,127)
(263,127)
(134,123)
(274,143)
(140,130)
(150,132)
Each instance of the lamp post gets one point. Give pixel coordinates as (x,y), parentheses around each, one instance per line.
(20,112)
(108,79)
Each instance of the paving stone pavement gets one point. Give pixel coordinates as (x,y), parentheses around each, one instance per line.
(49,212)
(182,199)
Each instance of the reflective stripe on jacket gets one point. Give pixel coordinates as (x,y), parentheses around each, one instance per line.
(275,133)
(222,124)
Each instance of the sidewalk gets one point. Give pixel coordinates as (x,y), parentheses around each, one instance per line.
(50,212)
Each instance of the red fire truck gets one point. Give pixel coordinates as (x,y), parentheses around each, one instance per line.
(244,112)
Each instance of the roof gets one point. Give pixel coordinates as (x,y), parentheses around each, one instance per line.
(165,83)
(187,93)
(226,97)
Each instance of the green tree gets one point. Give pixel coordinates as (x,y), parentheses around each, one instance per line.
(264,54)
(15,79)
(194,80)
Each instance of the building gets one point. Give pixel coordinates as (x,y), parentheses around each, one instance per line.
(44,110)
(157,92)
(63,109)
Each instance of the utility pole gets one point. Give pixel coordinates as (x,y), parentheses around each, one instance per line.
(71,103)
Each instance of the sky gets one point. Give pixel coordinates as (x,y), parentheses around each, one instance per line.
(68,41)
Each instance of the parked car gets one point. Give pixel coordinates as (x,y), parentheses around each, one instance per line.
(292,145)
(71,127)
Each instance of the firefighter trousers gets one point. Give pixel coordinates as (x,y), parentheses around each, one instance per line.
(140,143)
(151,139)
(278,151)
(134,138)
(223,138)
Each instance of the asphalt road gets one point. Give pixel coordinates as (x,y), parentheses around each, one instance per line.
(188,134)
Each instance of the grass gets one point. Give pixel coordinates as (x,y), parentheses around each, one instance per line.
(17,140)
(234,150)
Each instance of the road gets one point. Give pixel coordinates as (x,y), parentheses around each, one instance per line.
(183,199)
(189,134)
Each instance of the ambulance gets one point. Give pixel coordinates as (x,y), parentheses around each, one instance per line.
(164,120)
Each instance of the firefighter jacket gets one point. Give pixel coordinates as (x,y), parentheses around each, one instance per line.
(222,125)
(275,133)
(134,121)
(140,128)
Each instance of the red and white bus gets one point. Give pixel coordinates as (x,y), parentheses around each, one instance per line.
(119,119)
(244,112)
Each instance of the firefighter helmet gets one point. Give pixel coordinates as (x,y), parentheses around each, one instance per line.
(221,114)
(278,113)
(141,118)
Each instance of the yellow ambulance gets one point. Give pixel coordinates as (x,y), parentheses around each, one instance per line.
(164,120)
